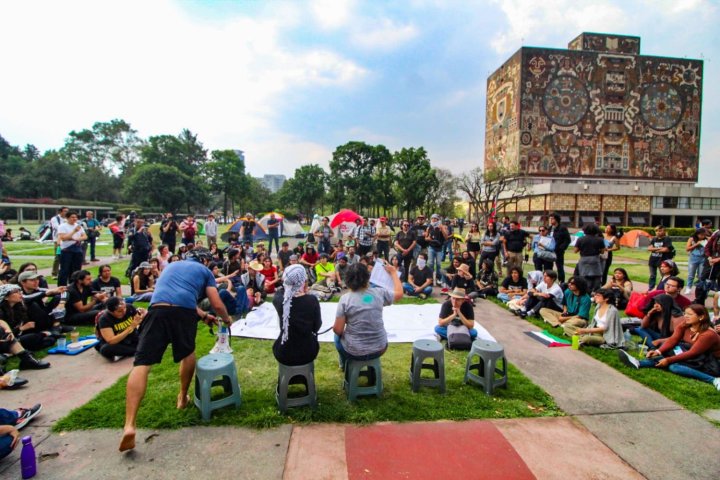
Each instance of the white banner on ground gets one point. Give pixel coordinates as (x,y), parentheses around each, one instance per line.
(403,323)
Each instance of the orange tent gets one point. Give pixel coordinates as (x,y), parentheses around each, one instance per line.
(635,239)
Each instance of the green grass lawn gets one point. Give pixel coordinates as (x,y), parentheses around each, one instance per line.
(691,394)
(257,371)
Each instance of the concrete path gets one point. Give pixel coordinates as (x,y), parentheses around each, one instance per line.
(650,432)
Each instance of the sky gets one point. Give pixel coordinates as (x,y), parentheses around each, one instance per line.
(289,81)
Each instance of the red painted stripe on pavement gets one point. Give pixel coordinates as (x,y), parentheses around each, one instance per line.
(471,450)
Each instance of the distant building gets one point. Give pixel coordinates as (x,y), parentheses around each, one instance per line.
(600,133)
(273,182)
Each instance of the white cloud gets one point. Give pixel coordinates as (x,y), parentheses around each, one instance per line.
(153,65)
(332,14)
(536,21)
(383,34)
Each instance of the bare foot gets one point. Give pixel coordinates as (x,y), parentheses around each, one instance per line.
(128,440)
(182,401)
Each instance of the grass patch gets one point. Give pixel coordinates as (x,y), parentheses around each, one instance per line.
(257,371)
(692,394)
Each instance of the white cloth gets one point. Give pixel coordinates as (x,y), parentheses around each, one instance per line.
(403,323)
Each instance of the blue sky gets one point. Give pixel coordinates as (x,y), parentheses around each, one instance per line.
(288,81)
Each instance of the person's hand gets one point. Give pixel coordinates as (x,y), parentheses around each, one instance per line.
(101,297)
(580,331)
(28,326)
(57,291)
(652,353)
(15,434)
(210,319)
(9,337)
(77,227)
(389,268)
(656,308)
(662,363)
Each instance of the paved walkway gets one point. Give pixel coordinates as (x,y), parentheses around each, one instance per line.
(616,429)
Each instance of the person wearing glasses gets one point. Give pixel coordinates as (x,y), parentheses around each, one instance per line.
(543,246)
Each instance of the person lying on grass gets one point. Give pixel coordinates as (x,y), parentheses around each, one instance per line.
(605,328)
(692,351)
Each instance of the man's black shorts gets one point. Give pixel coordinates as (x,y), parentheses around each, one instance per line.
(164,325)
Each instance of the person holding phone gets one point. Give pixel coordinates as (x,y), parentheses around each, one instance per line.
(70,235)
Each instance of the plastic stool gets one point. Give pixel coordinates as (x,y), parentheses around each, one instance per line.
(423,349)
(353,372)
(489,353)
(286,374)
(207,371)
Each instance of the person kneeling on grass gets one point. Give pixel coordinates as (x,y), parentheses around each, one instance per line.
(605,328)
(456,309)
(692,351)
(575,306)
(547,294)
(117,329)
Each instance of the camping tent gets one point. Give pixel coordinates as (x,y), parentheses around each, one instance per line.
(288,228)
(635,239)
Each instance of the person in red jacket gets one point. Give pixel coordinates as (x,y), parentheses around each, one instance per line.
(692,351)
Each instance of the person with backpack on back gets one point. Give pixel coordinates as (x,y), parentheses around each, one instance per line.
(660,248)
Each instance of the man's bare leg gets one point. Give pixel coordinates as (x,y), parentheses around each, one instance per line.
(136,386)
(187,370)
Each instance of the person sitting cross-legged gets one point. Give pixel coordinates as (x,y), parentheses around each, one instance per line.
(456,309)
(117,329)
(326,274)
(513,287)
(605,328)
(547,294)
(575,306)
(420,279)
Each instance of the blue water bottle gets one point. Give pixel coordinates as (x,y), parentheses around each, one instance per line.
(28,463)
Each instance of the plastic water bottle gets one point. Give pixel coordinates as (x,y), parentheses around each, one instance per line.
(28,463)
(62,343)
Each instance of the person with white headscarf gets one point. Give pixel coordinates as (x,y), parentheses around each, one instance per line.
(300,319)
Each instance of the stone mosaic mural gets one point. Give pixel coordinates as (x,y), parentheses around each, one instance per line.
(587,113)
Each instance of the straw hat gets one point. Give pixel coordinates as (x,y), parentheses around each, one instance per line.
(458,293)
(255,265)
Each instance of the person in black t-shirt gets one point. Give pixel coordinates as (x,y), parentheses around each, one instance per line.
(141,241)
(117,329)
(284,256)
(513,286)
(590,266)
(168,231)
(106,283)
(514,241)
(660,249)
(561,235)
(405,243)
(82,304)
(420,279)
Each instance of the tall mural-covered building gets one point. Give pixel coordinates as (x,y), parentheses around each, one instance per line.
(597,112)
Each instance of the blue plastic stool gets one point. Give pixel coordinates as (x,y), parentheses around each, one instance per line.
(286,375)
(489,355)
(207,371)
(372,371)
(430,349)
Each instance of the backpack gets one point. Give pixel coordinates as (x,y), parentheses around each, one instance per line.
(322,292)
(458,336)
(672,252)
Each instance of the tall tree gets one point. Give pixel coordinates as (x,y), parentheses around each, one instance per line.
(416,178)
(351,174)
(443,197)
(307,188)
(49,176)
(158,185)
(490,188)
(226,174)
(112,147)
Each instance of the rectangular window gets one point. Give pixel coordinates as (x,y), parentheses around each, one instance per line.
(670,202)
(657,202)
(683,202)
(696,203)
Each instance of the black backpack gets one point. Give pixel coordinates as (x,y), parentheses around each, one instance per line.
(458,336)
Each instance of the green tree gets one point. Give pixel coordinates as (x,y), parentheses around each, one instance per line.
(385,180)
(158,185)
(307,188)
(443,197)
(483,188)
(226,174)
(112,147)
(416,178)
(351,174)
(49,176)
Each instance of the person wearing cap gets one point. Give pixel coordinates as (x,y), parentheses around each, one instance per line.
(254,283)
(299,249)
(384,233)
(39,312)
(248,228)
(172,319)
(26,331)
(456,308)
(668,268)
(435,236)
(419,282)
(300,319)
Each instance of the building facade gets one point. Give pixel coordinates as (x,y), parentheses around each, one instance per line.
(599,131)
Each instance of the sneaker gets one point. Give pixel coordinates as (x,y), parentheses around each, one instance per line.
(630,361)
(27,414)
(716,383)
(687,291)
(423,296)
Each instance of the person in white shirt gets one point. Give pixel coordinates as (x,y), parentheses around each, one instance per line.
(547,294)
(55,223)
(211,229)
(70,235)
